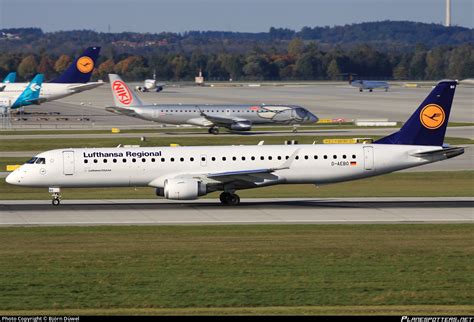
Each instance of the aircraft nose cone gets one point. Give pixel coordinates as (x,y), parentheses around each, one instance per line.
(312,118)
(11,178)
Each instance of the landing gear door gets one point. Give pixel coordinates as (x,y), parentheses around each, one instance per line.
(368,158)
(68,163)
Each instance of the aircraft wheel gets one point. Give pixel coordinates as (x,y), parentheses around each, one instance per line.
(214,130)
(55,202)
(370,90)
(229,199)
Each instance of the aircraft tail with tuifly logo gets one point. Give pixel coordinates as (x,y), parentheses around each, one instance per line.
(81,68)
(427,126)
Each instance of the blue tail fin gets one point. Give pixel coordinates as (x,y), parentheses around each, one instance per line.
(427,126)
(10,78)
(81,69)
(31,93)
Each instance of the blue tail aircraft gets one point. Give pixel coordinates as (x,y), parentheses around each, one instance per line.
(10,78)
(30,96)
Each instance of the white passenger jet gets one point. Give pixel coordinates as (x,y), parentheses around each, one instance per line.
(185,173)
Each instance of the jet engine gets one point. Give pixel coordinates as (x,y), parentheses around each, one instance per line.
(182,189)
(241,126)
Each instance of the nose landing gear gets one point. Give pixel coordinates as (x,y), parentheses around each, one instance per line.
(56,194)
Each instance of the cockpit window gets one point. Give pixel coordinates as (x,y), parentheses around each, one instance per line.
(32,160)
(40,161)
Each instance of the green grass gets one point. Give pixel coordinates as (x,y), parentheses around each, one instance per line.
(281,269)
(408,184)
(49,144)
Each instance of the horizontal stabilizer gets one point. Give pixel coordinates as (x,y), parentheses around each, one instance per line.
(447,152)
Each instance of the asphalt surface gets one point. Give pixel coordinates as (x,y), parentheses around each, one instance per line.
(251,211)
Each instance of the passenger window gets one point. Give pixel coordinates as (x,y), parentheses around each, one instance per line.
(143,160)
(181,159)
(114,160)
(270,157)
(85,161)
(325,157)
(203,159)
(95,160)
(243,158)
(343,156)
(213,159)
(223,158)
(162,159)
(105,160)
(334,156)
(279,157)
(234,158)
(134,160)
(152,160)
(253,158)
(315,157)
(297,157)
(124,160)
(172,159)
(191,159)
(306,157)
(353,156)
(262,158)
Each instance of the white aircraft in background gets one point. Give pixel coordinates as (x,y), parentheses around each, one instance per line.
(73,80)
(369,85)
(231,116)
(150,85)
(185,173)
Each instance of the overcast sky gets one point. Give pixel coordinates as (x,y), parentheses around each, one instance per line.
(224,15)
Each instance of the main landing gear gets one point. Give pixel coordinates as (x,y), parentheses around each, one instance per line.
(213,130)
(229,199)
(56,194)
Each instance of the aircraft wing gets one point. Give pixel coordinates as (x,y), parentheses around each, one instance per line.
(121,111)
(77,88)
(246,177)
(221,120)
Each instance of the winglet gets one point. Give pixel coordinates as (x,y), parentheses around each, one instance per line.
(288,162)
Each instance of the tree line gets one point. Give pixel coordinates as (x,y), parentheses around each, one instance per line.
(300,60)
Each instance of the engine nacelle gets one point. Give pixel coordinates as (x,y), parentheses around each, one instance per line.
(241,126)
(182,189)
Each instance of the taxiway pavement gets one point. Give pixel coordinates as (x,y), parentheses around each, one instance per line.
(251,211)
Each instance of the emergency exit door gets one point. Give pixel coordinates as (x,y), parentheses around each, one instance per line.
(368,158)
(68,163)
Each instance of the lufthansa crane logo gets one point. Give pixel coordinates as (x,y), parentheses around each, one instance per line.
(85,64)
(432,116)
